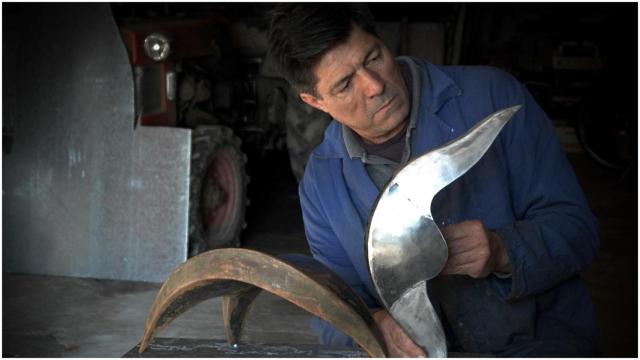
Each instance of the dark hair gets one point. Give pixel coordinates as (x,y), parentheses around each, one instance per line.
(301,33)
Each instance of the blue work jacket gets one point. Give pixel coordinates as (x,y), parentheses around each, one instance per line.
(523,188)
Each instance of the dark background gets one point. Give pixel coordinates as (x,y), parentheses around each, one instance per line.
(521,38)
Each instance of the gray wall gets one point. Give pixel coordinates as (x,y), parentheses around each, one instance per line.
(84,194)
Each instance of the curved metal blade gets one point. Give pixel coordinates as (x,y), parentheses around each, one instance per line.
(404,245)
(239,274)
(417,316)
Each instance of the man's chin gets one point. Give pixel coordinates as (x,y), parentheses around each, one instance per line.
(389,132)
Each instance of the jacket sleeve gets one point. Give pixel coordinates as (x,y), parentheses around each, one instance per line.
(326,248)
(323,242)
(555,234)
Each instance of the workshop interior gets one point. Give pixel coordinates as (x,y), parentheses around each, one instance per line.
(142,138)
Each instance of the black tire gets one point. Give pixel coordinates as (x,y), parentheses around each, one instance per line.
(305,130)
(218,192)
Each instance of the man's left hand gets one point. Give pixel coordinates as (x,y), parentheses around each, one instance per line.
(474,251)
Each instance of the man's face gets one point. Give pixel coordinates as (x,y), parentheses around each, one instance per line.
(360,85)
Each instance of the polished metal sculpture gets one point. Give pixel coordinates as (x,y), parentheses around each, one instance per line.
(404,246)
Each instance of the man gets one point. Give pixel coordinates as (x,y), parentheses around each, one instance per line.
(517,225)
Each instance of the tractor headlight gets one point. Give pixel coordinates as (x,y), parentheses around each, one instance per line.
(157,46)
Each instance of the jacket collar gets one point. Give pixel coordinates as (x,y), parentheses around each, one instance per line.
(437,89)
(439,86)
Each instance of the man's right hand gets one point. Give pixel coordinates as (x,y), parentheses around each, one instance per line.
(398,343)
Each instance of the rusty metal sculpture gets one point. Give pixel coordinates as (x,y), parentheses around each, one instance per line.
(240,274)
(405,248)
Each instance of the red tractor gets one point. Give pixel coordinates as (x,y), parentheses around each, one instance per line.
(186,76)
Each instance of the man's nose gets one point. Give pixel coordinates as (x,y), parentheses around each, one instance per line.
(373,84)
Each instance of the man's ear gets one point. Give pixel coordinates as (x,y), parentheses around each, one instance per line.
(312,101)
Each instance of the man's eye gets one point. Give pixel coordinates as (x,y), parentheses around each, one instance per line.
(346,86)
(373,58)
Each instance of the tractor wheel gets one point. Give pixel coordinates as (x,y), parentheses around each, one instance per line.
(218,196)
(305,130)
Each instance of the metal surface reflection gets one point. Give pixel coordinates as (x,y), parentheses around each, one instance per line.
(405,248)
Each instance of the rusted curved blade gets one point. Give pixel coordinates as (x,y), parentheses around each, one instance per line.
(231,272)
(405,247)
(235,307)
